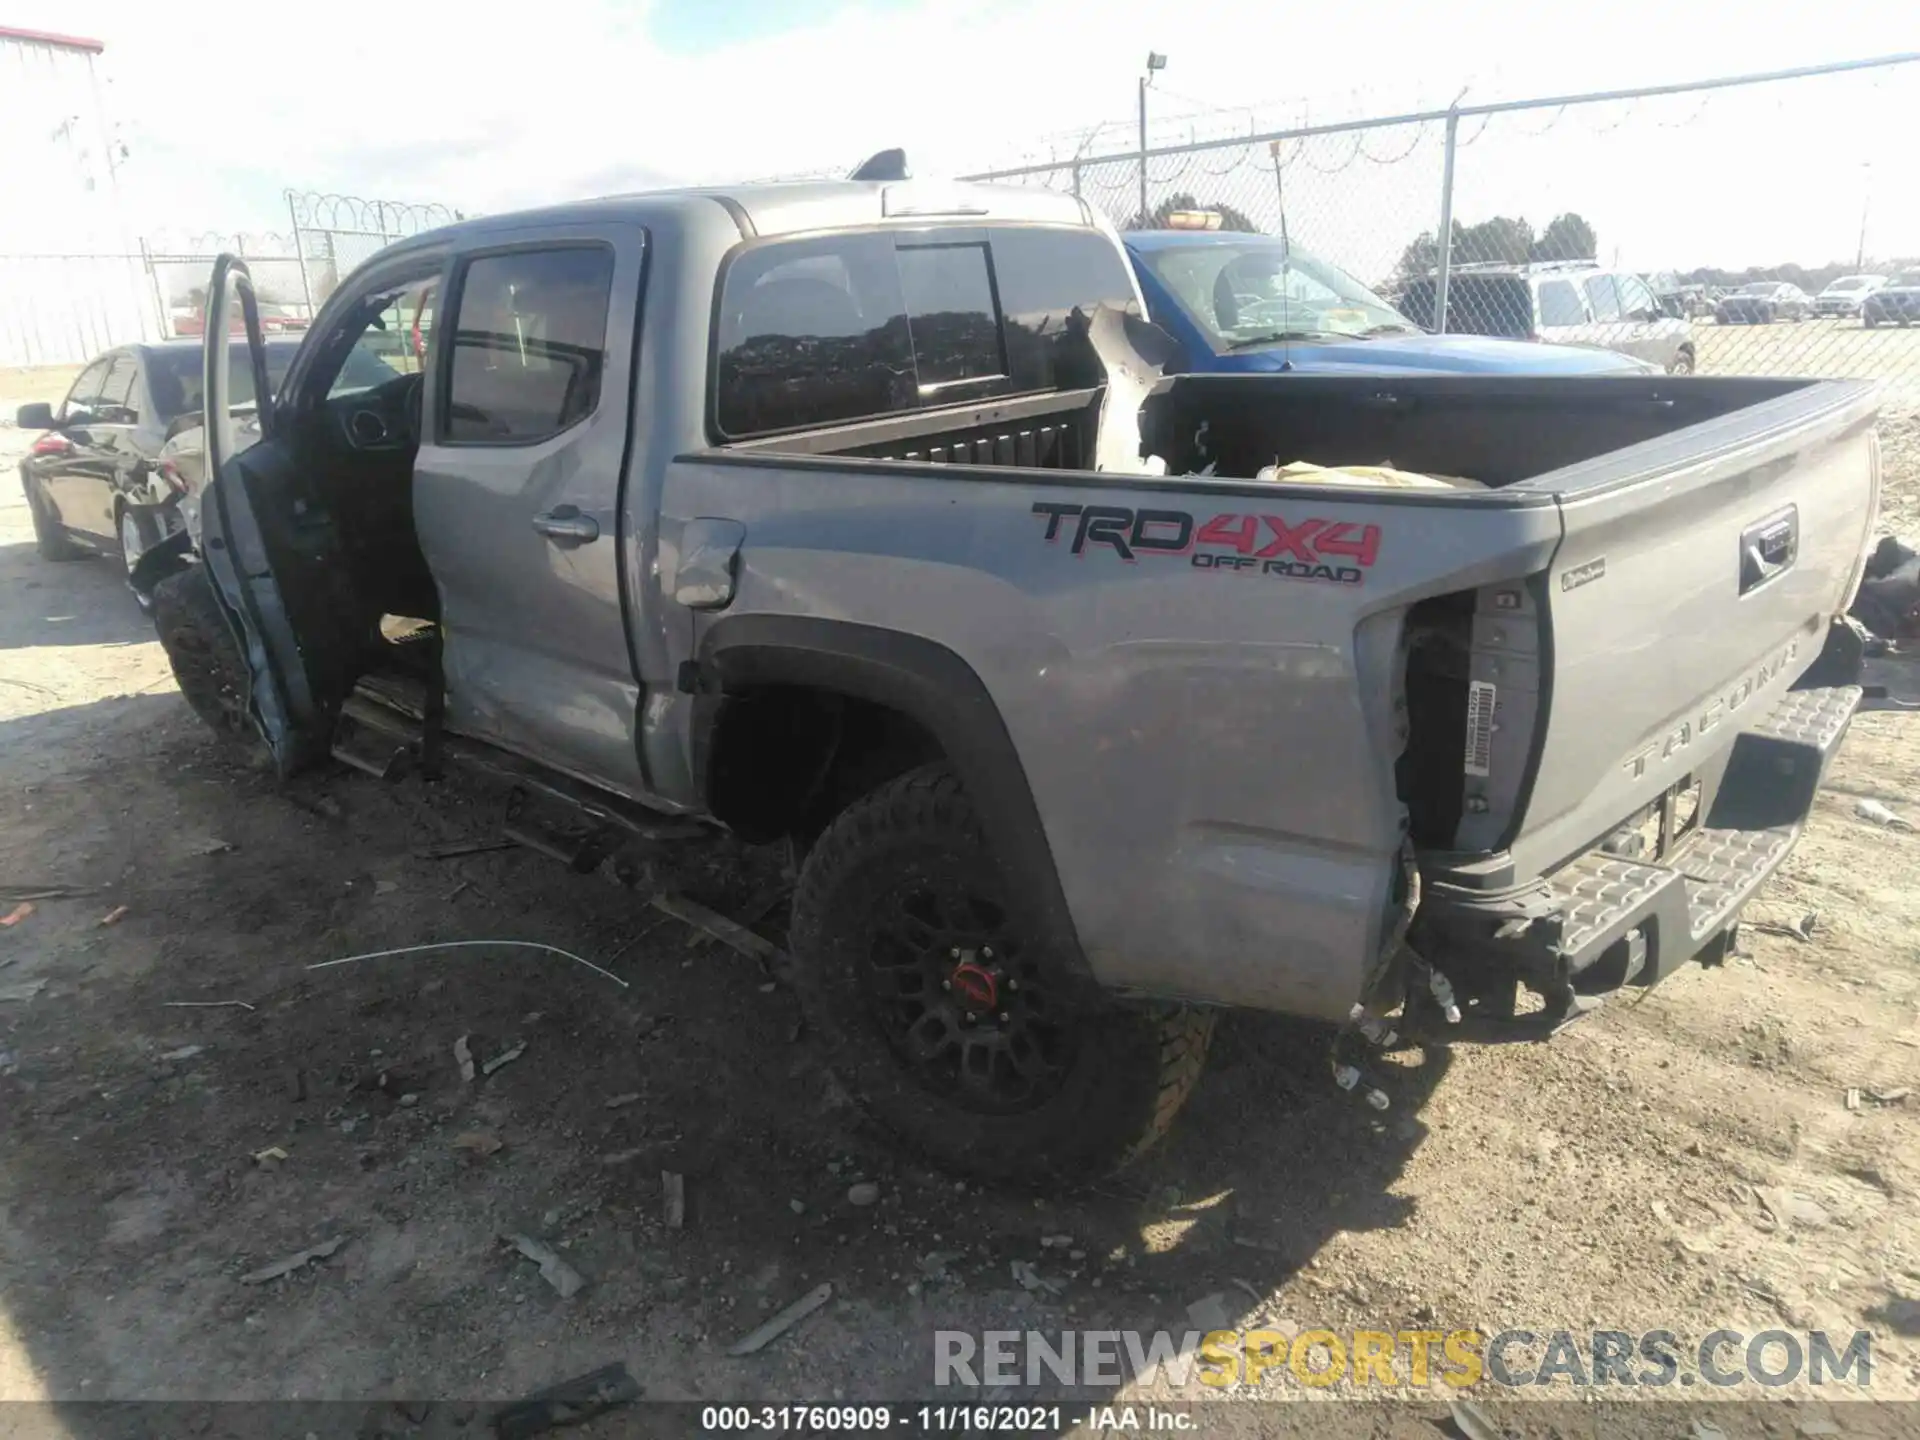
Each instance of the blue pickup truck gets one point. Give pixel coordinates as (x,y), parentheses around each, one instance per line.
(1245,302)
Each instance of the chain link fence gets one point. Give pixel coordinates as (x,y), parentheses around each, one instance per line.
(1757,225)
(63,309)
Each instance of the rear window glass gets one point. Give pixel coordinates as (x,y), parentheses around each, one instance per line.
(1476,304)
(850,327)
(951,315)
(174,375)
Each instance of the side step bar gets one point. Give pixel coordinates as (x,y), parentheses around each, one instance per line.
(375,737)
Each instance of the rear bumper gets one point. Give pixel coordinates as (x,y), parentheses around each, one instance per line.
(1606,919)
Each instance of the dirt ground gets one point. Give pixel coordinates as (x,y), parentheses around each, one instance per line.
(1611,1179)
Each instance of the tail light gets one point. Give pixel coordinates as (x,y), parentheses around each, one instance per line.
(52,443)
(170,473)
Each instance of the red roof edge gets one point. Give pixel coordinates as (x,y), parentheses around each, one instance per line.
(42,37)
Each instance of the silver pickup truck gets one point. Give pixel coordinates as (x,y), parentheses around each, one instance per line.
(858,516)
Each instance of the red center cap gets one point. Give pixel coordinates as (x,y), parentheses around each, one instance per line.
(975,986)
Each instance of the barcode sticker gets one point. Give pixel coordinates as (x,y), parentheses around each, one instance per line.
(1480,702)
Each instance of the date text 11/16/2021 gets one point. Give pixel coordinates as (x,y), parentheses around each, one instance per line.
(943,1419)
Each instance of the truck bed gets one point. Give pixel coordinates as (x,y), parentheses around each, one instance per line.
(1638,572)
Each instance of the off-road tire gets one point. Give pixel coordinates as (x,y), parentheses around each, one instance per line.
(49,537)
(206,660)
(1131,1066)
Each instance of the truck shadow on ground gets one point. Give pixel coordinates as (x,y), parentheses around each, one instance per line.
(132,1204)
(77,602)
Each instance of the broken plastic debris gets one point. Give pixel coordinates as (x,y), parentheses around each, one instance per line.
(292,1262)
(270,1157)
(567,1403)
(1879,814)
(779,1325)
(1442,989)
(17,914)
(185,1052)
(505,1057)
(464,1056)
(1346,1076)
(555,1271)
(114,916)
(25,990)
(620,1102)
(1031,1279)
(479,1142)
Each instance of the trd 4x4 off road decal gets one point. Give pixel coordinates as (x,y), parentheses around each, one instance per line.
(1336,551)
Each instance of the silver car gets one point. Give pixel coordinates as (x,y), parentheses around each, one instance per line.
(1561,303)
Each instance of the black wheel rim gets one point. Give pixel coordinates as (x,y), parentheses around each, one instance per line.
(962,1001)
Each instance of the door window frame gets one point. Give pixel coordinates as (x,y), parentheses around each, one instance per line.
(103,364)
(126,412)
(438,366)
(1619,314)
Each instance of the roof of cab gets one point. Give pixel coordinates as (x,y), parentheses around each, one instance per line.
(790,206)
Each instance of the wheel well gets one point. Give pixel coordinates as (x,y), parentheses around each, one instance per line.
(785,759)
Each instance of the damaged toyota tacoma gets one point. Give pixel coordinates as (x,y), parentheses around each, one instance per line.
(860,517)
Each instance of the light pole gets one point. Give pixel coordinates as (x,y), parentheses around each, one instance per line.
(1155,62)
(1866,199)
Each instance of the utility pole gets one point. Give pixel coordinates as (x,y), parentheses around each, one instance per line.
(1866,199)
(1155,62)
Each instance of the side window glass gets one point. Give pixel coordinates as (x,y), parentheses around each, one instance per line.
(1635,297)
(1050,283)
(812,332)
(116,392)
(951,317)
(529,344)
(1601,296)
(84,397)
(1560,304)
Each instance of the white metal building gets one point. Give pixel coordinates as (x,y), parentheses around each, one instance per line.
(71,280)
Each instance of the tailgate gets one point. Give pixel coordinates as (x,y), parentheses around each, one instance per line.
(1694,584)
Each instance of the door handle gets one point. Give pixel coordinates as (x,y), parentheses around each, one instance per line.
(565,522)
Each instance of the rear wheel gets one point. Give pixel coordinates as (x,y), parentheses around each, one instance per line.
(952,1027)
(49,535)
(206,660)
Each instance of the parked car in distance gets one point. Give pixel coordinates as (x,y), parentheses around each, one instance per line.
(189,321)
(1567,303)
(1679,298)
(1763,302)
(1237,301)
(1895,303)
(1845,295)
(97,481)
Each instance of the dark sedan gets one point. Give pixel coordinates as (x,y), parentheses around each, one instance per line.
(1762,303)
(1895,303)
(96,481)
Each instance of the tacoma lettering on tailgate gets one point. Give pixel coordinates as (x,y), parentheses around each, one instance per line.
(1717,709)
(1338,552)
